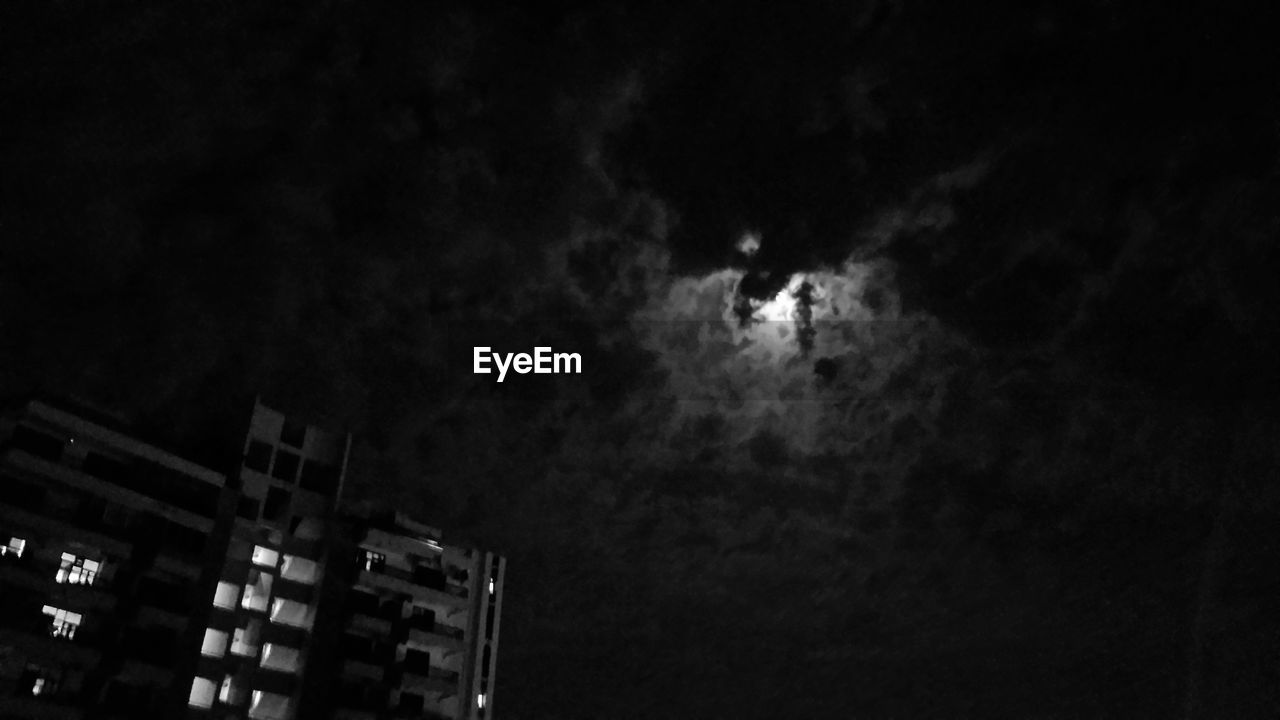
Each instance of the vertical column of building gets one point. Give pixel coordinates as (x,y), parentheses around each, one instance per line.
(257,644)
(409,639)
(489,616)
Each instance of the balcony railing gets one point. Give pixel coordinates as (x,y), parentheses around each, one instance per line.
(424,578)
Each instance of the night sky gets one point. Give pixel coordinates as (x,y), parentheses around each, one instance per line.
(929,359)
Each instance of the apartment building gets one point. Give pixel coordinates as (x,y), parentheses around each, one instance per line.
(134,583)
(255,648)
(420,624)
(108,546)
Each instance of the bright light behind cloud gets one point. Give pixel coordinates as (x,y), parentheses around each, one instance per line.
(757,376)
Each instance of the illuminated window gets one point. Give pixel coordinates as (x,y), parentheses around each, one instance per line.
(202,692)
(269,706)
(280,657)
(373,561)
(299,569)
(215,643)
(40,680)
(225,597)
(64,623)
(492,585)
(76,570)
(15,547)
(480,701)
(292,612)
(257,592)
(264,556)
(245,640)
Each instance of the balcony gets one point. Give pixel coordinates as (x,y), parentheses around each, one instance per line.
(22,705)
(98,534)
(413,584)
(354,667)
(376,626)
(429,679)
(39,641)
(436,635)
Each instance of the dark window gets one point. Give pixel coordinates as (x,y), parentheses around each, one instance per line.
(319,477)
(248,508)
(423,618)
(363,602)
(488,625)
(156,645)
(117,516)
(391,609)
(100,466)
(124,697)
(90,511)
(411,703)
(286,466)
(277,504)
(38,443)
(417,661)
(293,433)
(259,456)
(430,577)
(484,669)
(165,595)
(21,494)
(185,540)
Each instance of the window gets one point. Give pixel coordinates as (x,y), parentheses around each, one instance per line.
(286,466)
(215,643)
(265,556)
(492,585)
(232,692)
(277,505)
(412,703)
(76,570)
(15,547)
(292,612)
(318,476)
(480,701)
(268,706)
(258,456)
(372,561)
(257,591)
(280,657)
(248,508)
(245,640)
(417,661)
(293,433)
(225,597)
(64,623)
(299,570)
(202,692)
(37,443)
(37,681)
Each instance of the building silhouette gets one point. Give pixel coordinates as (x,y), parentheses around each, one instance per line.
(134,583)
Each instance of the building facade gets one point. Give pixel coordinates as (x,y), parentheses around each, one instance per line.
(136,584)
(108,549)
(420,624)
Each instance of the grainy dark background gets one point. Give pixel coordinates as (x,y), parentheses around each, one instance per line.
(1035,479)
